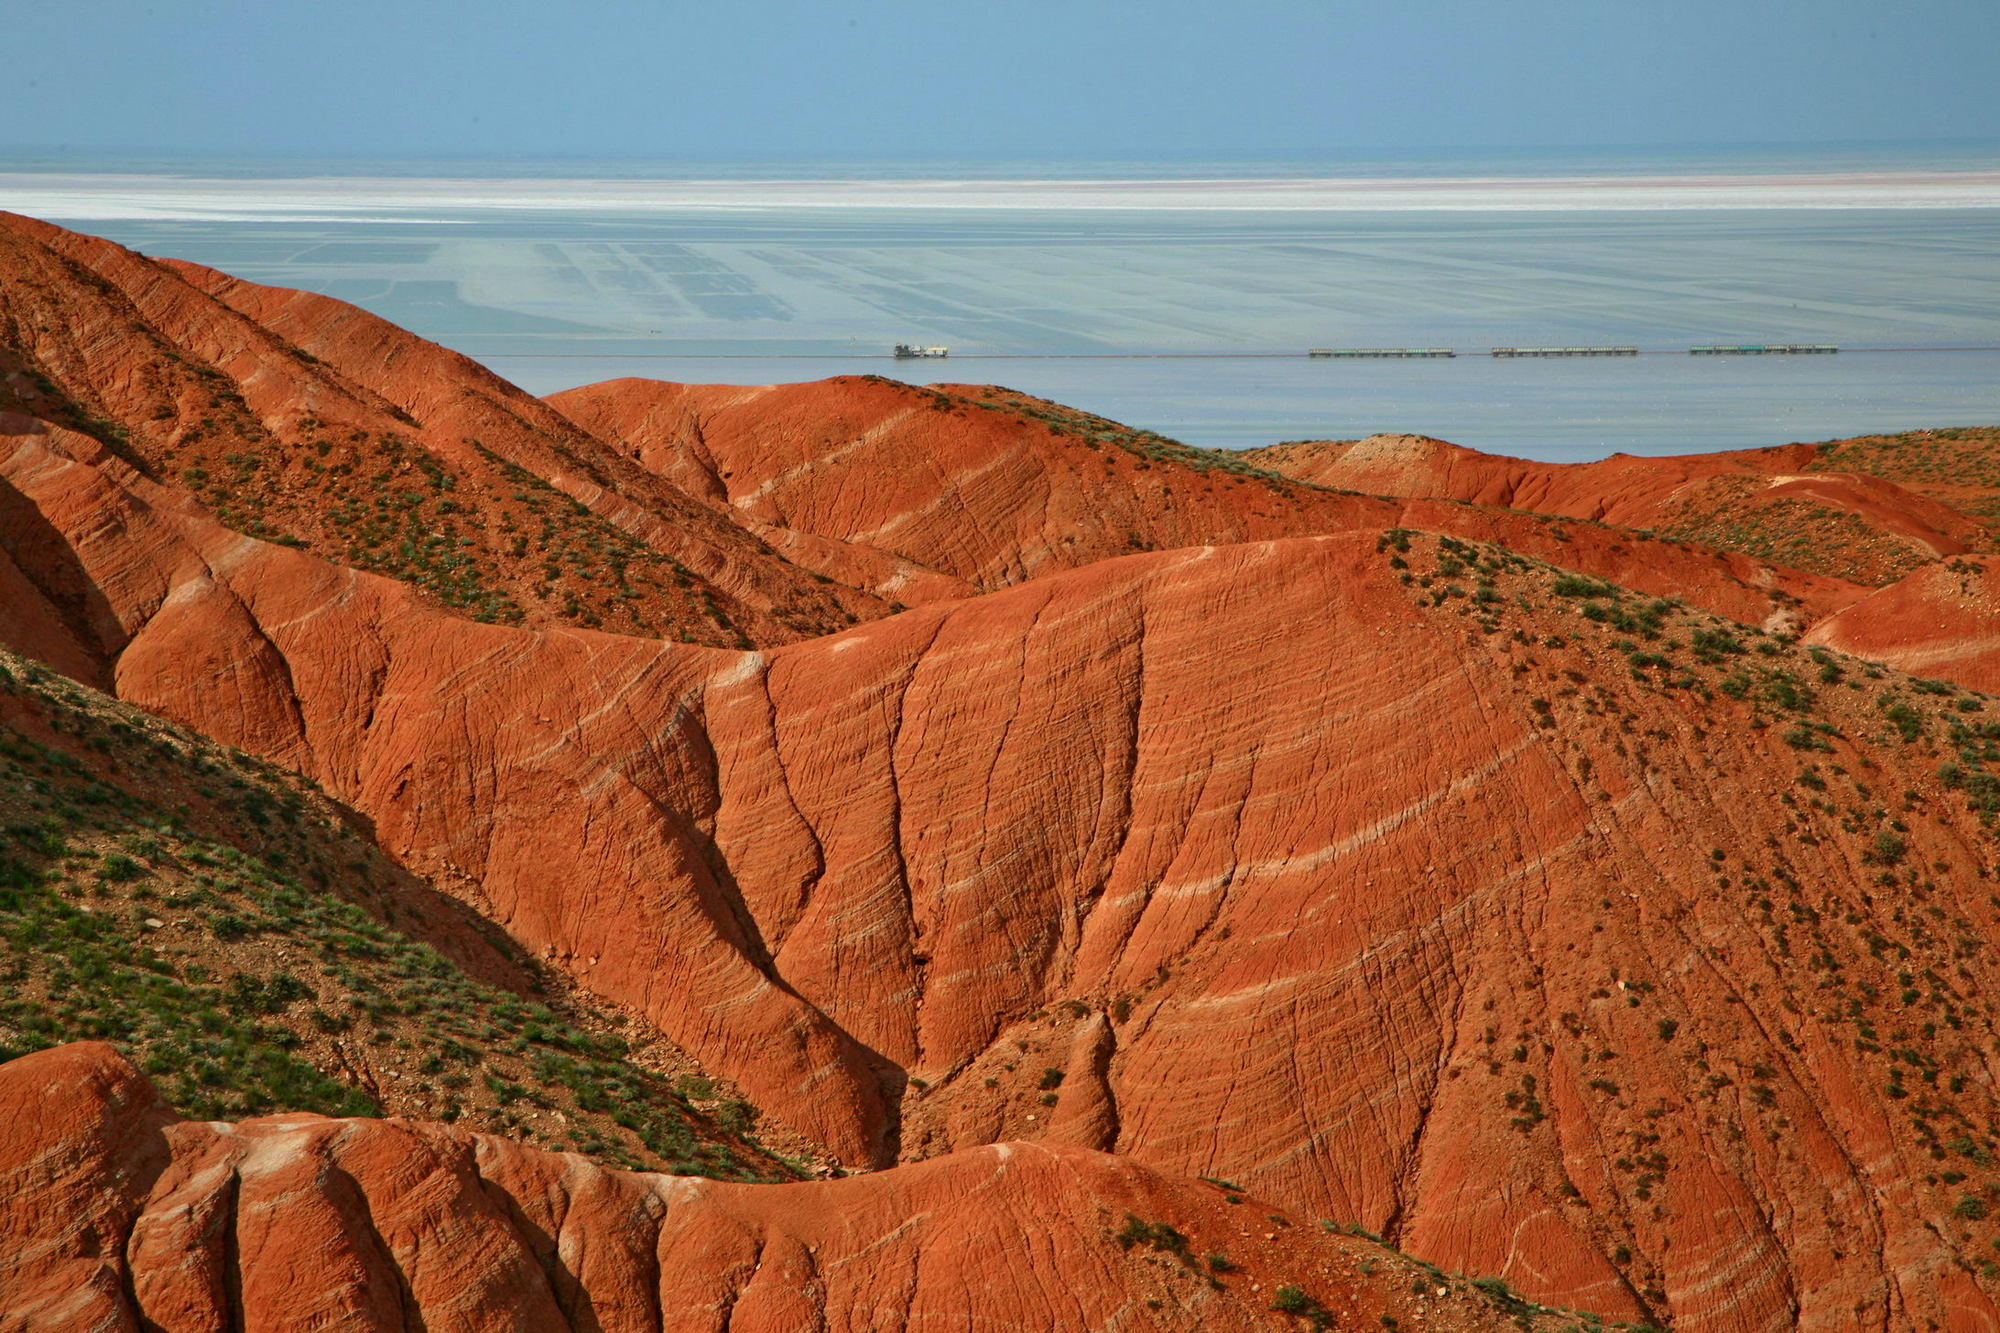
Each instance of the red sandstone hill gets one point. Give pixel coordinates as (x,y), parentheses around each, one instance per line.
(1827,508)
(980,487)
(299,418)
(978,483)
(1434,885)
(1551,931)
(144,1221)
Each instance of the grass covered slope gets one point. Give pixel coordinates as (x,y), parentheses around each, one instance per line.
(1801,525)
(236,934)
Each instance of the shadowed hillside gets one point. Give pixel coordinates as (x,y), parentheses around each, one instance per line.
(242,939)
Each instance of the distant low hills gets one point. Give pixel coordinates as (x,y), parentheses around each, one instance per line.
(1835,508)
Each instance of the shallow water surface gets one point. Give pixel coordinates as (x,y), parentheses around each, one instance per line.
(1148,315)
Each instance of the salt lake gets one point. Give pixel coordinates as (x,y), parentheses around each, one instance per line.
(1181,305)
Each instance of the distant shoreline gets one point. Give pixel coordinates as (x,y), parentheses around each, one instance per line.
(101,196)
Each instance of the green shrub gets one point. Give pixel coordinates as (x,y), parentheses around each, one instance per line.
(1497,1291)
(1712,645)
(1578,585)
(1154,1236)
(119,868)
(1292,1299)
(1907,721)
(229,926)
(738,1117)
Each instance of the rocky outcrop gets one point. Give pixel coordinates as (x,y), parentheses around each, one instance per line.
(114,1215)
(973,482)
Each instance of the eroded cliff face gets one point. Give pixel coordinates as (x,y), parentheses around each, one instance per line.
(1558,933)
(143,1221)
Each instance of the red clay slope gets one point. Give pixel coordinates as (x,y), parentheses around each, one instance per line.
(1943,620)
(1772,503)
(304,419)
(985,487)
(1552,932)
(114,1215)
(1958,466)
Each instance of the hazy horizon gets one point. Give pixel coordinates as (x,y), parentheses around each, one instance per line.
(1273,80)
(1915,155)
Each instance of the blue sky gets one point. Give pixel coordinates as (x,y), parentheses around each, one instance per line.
(891,79)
